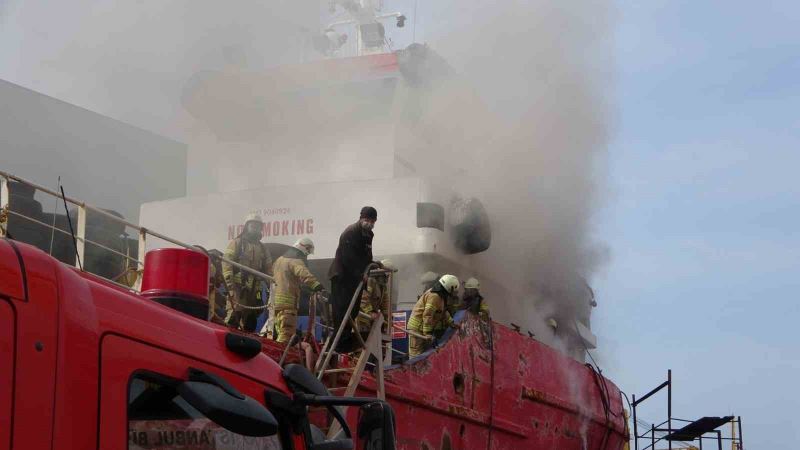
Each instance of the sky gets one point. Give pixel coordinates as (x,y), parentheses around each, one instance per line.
(703,213)
(702,207)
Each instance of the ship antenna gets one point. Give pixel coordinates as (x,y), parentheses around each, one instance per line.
(69,221)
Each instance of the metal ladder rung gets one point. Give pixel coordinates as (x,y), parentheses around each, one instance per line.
(343,370)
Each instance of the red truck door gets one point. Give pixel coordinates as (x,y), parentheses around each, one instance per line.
(7,330)
(140,411)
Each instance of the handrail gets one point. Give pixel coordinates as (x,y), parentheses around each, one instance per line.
(328,350)
(80,234)
(398,327)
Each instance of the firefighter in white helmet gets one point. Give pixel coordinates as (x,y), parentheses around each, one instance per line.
(291,271)
(375,299)
(430,313)
(472,300)
(245,288)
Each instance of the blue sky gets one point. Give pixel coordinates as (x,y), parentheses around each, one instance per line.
(703,212)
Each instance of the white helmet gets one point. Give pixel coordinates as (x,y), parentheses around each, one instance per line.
(389,265)
(450,283)
(428,277)
(305,245)
(472,283)
(253,217)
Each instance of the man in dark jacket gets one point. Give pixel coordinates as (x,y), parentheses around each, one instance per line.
(353,256)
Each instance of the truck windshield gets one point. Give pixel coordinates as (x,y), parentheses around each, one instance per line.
(158,418)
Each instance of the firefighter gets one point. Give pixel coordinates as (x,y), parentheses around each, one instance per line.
(427,280)
(473,301)
(353,256)
(290,272)
(430,314)
(245,288)
(375,300)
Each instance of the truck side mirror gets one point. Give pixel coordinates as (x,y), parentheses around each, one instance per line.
(227,407)
(301,379)
(376,426)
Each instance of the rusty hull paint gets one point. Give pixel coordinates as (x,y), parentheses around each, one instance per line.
(538,398)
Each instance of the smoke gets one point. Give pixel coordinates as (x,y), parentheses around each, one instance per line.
(519,120)
(526,130)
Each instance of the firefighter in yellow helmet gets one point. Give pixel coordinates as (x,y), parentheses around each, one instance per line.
(375,299)
(290,272)
(430,313)
(245,288)
(473,301)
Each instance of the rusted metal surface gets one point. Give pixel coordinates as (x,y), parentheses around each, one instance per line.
(537,399)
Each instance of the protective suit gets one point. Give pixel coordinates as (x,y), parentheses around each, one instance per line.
(473,301)
(476,304)
(290,273)
(430,315)
(247,250)
(375,298)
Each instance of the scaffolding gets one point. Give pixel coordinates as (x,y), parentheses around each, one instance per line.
(704,428)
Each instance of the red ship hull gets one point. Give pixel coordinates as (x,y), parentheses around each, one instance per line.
(515,394)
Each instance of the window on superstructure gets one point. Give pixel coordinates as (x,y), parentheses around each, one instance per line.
(430,215)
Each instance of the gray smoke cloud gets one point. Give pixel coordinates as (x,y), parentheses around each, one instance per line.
(527,127)
(521,123)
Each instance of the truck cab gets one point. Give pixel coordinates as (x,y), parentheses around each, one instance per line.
(87,364)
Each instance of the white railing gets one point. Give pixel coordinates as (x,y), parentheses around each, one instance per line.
(80,239)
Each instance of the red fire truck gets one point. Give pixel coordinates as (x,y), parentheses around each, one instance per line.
(87,364)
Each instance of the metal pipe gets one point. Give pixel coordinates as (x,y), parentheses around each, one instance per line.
(669,404)
(88,241)
(286,349)
(653,437)
(649,394)
(741,440)
(719,439)
(635,424)
(83,208)
(68,199)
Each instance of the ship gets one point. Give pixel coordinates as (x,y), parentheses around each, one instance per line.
(487,384)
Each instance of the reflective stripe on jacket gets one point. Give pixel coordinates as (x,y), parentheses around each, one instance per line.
(251,254)
(429,314)
(290,271)
(374,298)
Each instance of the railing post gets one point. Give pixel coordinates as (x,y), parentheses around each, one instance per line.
(635,426)
(4,206)
(142,247)
(652,437)
(741,439)
(387,357)
(669,404)
(80,244)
